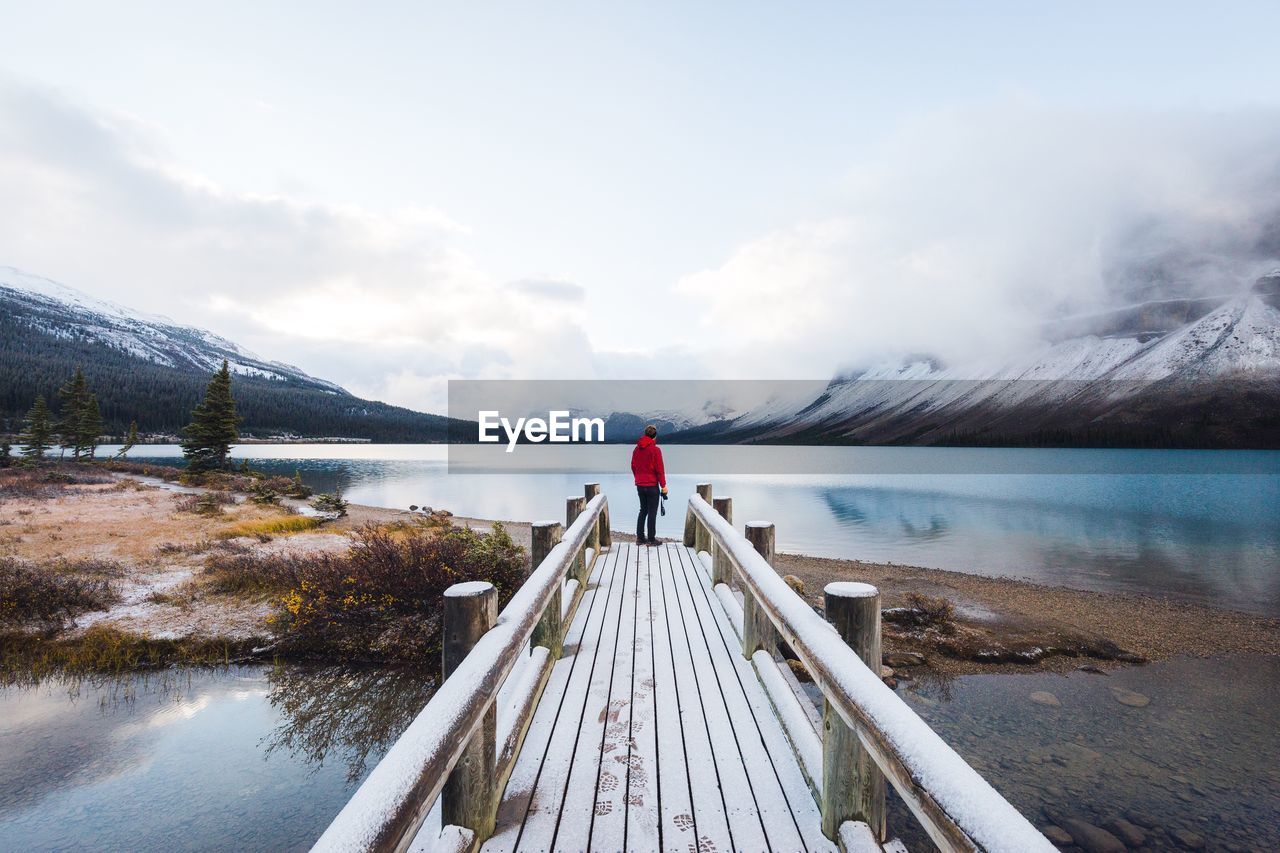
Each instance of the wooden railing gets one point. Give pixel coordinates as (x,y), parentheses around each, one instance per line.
(463,744)
(868,732)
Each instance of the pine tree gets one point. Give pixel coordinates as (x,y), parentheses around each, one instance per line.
(74,395)
(89,425)
(207,439)
(37,437)
(130,440)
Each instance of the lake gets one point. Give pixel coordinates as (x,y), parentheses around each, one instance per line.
(261,758)
(1197,525)
(246,758)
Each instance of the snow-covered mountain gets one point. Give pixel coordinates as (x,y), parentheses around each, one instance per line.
(1178,371)
(152,370)
(65,312)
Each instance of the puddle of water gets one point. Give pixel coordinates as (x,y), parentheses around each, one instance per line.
(1201,756)
(249,758)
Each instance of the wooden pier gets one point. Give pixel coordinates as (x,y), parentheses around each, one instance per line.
(634,698)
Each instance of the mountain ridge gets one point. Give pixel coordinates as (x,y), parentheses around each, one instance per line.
(1211,381)
(148,368)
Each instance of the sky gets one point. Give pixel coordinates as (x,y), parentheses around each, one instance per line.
(392,195)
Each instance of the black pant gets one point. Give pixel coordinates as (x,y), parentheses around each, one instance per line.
(650,497)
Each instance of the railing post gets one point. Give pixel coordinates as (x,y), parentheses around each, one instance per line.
(589,491)
(603,538)
(573,508)
(852,784)
(690,525)
(757,630)
(721,572)
(548,632)
(468,798)
(701,539)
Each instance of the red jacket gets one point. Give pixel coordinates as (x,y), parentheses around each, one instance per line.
(646,463)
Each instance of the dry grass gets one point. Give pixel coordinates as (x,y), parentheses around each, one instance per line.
(46,480)
(126,525)
(273,526)
(106,650)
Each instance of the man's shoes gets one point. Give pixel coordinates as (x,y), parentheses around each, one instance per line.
(653,543)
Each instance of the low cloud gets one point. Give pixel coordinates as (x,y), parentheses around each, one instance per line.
(959,236)
(966,232)
(387,304)
(560,291)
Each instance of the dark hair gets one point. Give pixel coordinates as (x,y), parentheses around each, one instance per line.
(651,431)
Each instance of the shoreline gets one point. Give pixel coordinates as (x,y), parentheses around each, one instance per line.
(990,624)
(1008,613)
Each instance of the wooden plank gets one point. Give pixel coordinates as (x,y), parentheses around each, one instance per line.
(710,821)
(677,818)
(643,814)
(515,799)
(607,829)
(791,774)
(770,771)
(572,830)
(746,825)
(546,793)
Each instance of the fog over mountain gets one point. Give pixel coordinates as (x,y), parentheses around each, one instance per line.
(970,236)
(966,234)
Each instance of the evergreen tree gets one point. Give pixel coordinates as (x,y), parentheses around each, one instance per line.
(130,440)
(207,439)
(89,425)
(6,454)
(74,395)
(37,437)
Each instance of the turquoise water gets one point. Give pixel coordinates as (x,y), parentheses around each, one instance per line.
(1197,525)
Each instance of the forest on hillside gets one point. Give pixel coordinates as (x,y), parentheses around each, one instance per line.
(160,398)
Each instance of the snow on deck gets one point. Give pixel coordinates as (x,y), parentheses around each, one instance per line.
(653,731)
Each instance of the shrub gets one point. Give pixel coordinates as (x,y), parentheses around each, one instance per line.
(50,595)
(207,503)
(42,480)
(330,503)
(297,488)
(922,611)
(173,549)
(933,610)
(251,574)
(381,600)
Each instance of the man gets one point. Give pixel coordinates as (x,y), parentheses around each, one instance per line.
(651,483)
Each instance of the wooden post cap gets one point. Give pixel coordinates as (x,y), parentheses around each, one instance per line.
(469,589)
(850,589)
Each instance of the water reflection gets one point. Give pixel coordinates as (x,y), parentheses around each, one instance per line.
(244,758)
(354,713)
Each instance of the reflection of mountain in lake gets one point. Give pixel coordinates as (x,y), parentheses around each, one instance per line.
(212,755)
(1117,541)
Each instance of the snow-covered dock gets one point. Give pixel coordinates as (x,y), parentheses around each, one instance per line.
(633,697)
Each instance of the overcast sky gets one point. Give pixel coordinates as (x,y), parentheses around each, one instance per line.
(391,195)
